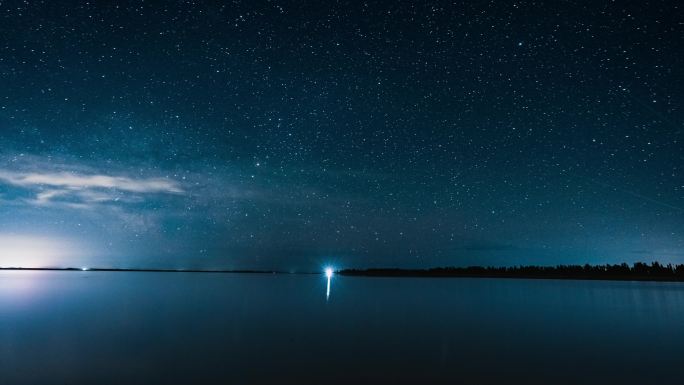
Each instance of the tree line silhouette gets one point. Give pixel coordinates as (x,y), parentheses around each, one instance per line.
(639,271)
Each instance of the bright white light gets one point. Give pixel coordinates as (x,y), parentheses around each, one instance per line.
(328,272)
(84,269)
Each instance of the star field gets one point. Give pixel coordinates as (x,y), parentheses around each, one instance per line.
(289,135)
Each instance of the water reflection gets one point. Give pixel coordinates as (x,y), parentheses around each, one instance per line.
(328,275)
(185,328)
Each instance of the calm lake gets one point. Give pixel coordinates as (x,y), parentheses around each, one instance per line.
(184,328)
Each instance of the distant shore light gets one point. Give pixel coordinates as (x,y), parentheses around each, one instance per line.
(329,272)
(84,269)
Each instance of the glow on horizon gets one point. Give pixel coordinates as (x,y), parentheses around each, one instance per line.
(33,251)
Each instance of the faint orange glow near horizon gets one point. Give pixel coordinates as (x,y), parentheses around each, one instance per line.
(33,251)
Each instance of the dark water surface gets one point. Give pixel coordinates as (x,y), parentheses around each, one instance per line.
(182,328)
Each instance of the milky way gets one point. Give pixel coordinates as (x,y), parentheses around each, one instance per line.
(293,135)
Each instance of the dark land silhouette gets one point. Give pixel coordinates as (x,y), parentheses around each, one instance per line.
(639,271)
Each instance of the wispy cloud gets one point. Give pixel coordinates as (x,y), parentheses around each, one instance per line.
(81,181)
(82,190)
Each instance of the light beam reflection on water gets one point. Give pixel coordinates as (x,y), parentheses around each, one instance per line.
(328,275)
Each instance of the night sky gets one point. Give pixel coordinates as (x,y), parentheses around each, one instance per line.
(294,135)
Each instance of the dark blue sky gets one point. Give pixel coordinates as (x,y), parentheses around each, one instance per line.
(291,135)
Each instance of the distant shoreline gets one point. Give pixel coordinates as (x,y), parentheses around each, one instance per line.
(623,272)
(76,269)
